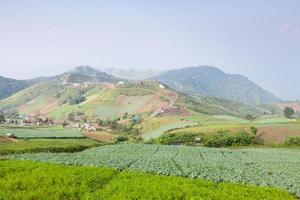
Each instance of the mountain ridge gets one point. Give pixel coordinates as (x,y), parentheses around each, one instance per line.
(211,81)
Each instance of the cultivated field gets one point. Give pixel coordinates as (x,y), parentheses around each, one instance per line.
(159,131)
(41,132)
(28,180)
(263,167)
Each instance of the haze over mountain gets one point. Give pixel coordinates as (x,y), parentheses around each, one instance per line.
(203,80)
(132,74)
(83,74)
(211,81)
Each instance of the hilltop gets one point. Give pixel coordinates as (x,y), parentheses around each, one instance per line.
(211,81)
(10,86)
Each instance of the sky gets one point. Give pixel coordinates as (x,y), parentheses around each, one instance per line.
(258,39)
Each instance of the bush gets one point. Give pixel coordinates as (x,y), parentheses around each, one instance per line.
(288,112)
(293,141)
(224,139)
(76,99)
(176,139)
(121,138)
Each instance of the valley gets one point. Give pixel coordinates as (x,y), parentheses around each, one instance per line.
(88,119)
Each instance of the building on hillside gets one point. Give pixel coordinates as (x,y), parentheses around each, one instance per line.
(161,86)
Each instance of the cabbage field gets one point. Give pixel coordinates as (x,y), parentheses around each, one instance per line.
(264,167)
(41,132)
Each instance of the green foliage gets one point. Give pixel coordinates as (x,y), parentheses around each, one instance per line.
(179,138)
(121,138)
(250,117)
(210,81)
(78,98)
(253,130)
(71,117)
(288,112)
(293,141)
(224,138)
(28,180)
(264,167)
(46,145)
(10,86)
(2,118)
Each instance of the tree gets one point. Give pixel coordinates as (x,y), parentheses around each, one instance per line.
(288,112)
(253,130)
(71,117)
(2,118)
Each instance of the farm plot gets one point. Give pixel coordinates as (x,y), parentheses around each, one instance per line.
(263,167)
(41,132)
(159,131)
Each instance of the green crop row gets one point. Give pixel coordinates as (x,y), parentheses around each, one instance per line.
(28,180)
(263,167)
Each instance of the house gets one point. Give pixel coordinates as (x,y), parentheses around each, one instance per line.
(161,86)
(120,83)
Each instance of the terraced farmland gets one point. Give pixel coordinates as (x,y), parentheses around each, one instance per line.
(264,167)
(159,131)
(55,132)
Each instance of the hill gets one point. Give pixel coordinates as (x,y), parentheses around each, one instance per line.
(10,86)
(84,74)
(57,99)
(132,74)
(210,81)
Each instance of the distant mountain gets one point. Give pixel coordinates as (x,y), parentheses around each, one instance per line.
(57,101)
(10,86)
(211,81)
(83,74)
(132,74)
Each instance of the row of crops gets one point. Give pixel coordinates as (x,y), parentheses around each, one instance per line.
(264,167)
(51,132)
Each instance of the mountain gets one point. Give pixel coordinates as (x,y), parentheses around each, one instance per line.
(132,74)
(83,74)
(211,81)
(110,100)
(10,86)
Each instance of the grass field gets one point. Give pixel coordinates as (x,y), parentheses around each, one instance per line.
(41,132)
(264,167)
(159,131)
(271,133)
(28,180)
(46,145)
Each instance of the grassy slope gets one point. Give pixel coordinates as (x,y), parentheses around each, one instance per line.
(273,130)
(46,145)
(50,99)
(28,180)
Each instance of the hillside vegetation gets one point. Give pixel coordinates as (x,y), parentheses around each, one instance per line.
(10,86)
(211,81)
(107,100)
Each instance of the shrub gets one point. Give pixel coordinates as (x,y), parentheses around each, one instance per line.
(288,112)
(176,139)
(224,138)
(121,138)
(293,141)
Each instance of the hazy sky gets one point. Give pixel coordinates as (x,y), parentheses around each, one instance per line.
(257,38)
